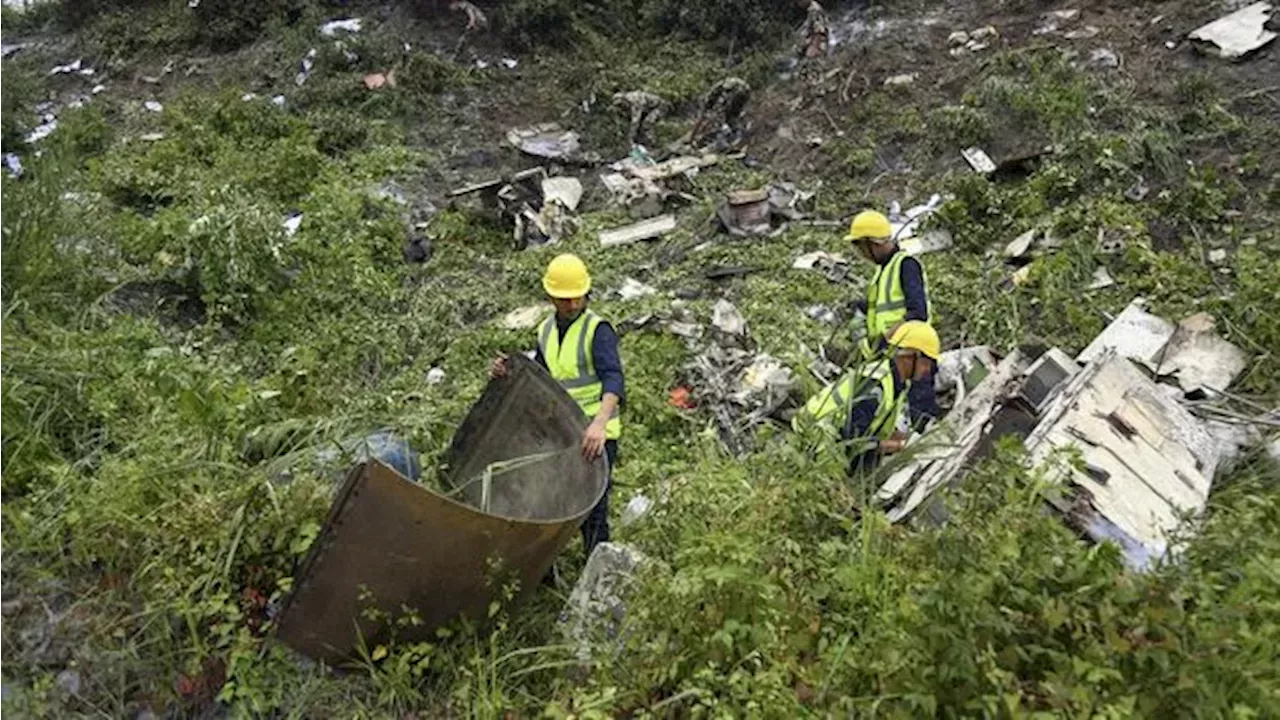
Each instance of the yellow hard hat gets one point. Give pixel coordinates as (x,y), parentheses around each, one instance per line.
(917,335)
(566,277)
(869,224)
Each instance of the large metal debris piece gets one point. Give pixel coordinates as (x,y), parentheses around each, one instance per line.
(1146,460)
(958,439)
(597,606)
(1191,352)
(642,198)
(393,544)
(1135,334)
(1199,358)
(1234,36)
(765,211)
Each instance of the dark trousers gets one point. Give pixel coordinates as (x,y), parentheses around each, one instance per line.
(595,529)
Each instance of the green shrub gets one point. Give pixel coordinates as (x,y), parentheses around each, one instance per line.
(17,95)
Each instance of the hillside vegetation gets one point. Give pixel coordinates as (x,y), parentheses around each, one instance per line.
(167,341)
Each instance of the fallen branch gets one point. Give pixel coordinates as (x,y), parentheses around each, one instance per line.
(1254,93)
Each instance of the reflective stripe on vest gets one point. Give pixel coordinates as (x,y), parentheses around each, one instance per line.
(569,359)
(886,302)
(836,401)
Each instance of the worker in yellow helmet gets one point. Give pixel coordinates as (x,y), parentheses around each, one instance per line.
(898,293)
(865,405)
(580,350)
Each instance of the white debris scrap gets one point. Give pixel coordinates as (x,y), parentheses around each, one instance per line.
(1135,334)
(1104,58)
(1199,358)
(726,318)
(905,223)
(1101,279)
(99,89)
(153,106)
(597,607)
(524,318)
(931,241)
(636,508)
(331,28)
(435,376)
(1084,33)
(979,160)
(41,132)
(633,289)
(1021,245)
(548,140)
(766,377)
(67,69)
(13,164)
(510,63)
(565,190)
(901,80)
(308,62)
(1236,35)
(278,101)
(819,259)
(643,230)
(821,313)
(292,223)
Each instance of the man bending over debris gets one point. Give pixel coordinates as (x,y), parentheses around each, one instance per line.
(870,398)
(580,350)
(476,19)
(645,109)
(816,32)
(726,99)
(897,294)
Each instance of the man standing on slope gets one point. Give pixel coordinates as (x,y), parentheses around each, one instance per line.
(897,294)
(866,403)
(580,350)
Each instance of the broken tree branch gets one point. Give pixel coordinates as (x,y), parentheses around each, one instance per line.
(1254,93)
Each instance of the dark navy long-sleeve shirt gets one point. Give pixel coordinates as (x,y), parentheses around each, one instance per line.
(604,354)
(913,289)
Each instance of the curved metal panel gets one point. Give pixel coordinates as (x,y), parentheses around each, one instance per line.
(409,546)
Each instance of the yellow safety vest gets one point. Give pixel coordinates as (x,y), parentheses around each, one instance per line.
(570,362)
(834,403)
(886,302)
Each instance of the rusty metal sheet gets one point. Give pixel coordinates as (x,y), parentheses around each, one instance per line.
(412,547)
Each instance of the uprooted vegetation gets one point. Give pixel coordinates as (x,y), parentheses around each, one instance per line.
(167,336)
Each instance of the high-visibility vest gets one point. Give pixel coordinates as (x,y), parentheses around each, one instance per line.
(833,404)
(570,361)
(886,302)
